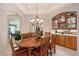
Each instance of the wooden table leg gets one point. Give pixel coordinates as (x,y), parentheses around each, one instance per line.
(29,51)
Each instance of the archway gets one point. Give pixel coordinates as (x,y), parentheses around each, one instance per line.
(14,24)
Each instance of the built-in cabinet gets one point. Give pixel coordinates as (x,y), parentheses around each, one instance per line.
(65,20)
(62,40)
(67,41)
(71,42)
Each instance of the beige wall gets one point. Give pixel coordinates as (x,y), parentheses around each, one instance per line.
(3,30)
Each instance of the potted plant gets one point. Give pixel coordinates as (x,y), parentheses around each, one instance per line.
(17,35)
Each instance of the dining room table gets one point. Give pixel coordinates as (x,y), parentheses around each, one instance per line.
(29,43)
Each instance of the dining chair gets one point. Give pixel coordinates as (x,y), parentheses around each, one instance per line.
(26,35)
(17,51)
(47,34)
(52,47)
(42,50)
(52,43)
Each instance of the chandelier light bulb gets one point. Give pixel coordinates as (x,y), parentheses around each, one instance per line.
(41,21)
(38,19)
(32,20)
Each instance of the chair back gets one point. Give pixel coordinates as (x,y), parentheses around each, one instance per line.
(52,44)
(26,35)
(52,40)
(47,34)
(44,46)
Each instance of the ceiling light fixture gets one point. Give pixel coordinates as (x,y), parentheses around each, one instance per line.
(37,23)
(36,19)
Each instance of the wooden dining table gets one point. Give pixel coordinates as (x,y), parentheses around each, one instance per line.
(29,43)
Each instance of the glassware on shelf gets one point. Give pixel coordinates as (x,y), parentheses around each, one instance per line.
(73,26)
(69,26)
(62,19)
(69,21)
(73,19)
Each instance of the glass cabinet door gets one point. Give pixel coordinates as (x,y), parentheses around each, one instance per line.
(55,24)
(65,20)
(71,22)
(68,21)
(73,19)
(61,19)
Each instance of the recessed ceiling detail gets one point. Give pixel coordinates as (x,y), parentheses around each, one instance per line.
(30,8)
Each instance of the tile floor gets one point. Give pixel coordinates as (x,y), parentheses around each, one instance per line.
(60,51)
(63,51)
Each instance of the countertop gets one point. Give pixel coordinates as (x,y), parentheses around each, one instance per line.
(65,34)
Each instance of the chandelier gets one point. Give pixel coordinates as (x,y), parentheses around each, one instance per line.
(37,23)
(36,19)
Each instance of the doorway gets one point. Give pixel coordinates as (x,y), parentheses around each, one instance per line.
(14,26)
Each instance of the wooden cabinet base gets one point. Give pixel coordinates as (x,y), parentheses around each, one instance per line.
(67,47)
(66,41)
(71,42)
